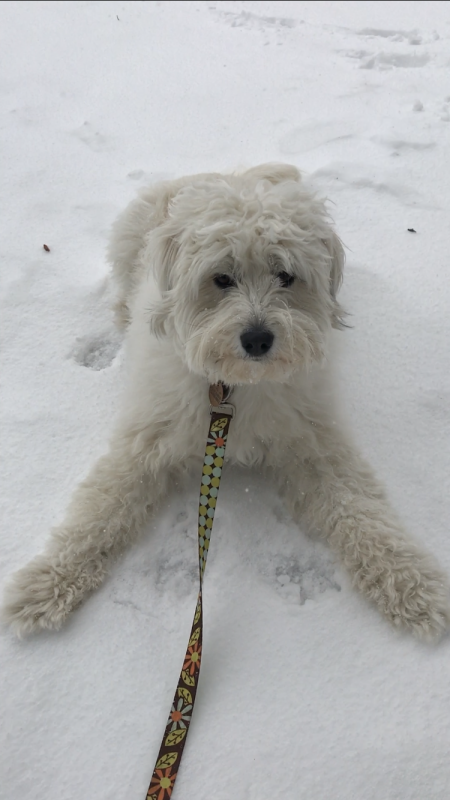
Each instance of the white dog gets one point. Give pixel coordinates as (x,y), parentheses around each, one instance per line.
(230,278)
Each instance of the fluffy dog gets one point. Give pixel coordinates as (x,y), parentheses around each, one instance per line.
(230,278)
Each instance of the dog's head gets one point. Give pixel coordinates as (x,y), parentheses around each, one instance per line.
(248,268)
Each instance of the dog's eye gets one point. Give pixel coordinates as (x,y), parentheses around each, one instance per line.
(285,279)
(224,281)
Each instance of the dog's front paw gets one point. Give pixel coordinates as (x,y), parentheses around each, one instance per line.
(41,595)
(407,586)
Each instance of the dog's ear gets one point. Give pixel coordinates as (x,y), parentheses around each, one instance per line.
(274,173)
(337,261)
(161,315)
(163,250)
(337,255)
(160,248)
(164,258)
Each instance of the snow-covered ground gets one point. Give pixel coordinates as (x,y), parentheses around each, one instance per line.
(305,693)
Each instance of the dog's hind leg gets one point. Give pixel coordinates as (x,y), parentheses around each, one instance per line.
(106,513)
(337,492)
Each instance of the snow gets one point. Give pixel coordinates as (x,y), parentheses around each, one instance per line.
(305,692)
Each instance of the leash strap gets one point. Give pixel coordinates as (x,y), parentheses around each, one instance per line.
(175,734)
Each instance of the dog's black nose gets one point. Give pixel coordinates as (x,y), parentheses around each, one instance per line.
(257,342)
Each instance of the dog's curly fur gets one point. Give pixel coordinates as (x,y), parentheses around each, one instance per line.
(199,262)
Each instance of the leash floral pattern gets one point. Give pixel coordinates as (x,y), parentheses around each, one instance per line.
(177,727)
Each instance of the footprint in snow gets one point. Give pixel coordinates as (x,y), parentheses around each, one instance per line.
(93,139)
(445,111)
(382,61)
(312,135)
(298,581)
(412,37)
(96,352)
(248,19)
(409,37)
(403,144)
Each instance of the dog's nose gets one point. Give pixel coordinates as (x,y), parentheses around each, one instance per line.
(257,342)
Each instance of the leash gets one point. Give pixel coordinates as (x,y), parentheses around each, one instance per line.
(177,728)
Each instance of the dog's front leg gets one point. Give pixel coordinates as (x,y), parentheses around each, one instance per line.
(337,492)
(106,513)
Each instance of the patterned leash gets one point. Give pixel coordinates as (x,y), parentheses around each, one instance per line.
(175,734)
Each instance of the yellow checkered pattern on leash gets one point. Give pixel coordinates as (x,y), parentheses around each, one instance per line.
(177,727)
